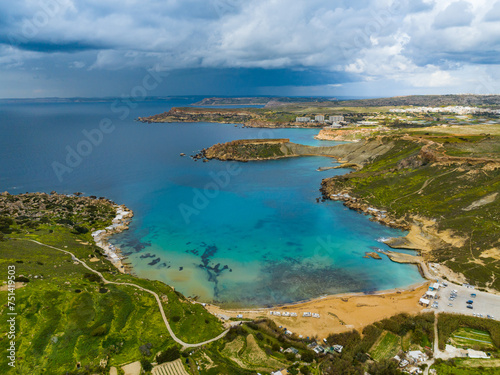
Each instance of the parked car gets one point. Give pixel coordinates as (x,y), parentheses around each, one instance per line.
(470,307)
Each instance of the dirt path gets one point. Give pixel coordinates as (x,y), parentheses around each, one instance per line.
(176,339)
(437,353)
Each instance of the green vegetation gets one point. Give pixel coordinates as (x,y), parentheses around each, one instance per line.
(465,337)
(65,314)
(451,325)
(417,178)
(243,150)
(169,355)
(387,346)
(460,366)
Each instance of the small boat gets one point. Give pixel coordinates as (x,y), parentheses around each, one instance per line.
(183,154)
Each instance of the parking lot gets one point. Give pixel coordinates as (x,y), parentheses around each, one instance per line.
(483,303)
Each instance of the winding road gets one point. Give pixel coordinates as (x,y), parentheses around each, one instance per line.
(176,339)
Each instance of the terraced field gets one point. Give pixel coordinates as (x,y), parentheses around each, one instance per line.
(171,368)
(469,338)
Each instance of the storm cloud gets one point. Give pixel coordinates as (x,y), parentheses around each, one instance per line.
(233,47)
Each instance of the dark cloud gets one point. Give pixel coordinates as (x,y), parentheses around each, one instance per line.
(48,47)
(237,46)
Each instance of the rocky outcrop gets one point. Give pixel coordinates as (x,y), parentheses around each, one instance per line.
(264,149)
(82,215)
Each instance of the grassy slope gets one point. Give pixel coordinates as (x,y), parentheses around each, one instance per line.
(396,183)
(58,327)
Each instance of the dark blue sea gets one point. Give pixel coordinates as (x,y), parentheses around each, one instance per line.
(247,234)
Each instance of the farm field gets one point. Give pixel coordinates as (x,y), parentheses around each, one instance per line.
(171,368)
(387,346)
(469,338)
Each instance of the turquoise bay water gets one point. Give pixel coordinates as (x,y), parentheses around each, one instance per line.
(248,234)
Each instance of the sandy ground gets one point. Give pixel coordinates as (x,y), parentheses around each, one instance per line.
(338,313)
(133,368)
(5,287)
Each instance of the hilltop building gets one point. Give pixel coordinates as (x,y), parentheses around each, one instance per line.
(336,118)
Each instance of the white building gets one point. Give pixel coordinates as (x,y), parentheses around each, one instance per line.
(424,302)
(476,354)
(435,286)
(430,294)
(303,119)
(417,356)
(336,118)
(319,118)
(335,125)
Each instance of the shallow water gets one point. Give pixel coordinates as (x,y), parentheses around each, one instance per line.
(247,234)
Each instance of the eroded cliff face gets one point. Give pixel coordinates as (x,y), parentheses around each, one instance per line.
(349,135)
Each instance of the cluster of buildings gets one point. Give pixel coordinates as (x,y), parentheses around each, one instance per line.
(319,349)
(431,294)
(292,314)
(411,360)
(321,119)
(460,110)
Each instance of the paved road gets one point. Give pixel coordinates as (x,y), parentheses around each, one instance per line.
(176,339)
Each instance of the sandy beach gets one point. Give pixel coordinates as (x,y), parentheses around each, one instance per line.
(337,313)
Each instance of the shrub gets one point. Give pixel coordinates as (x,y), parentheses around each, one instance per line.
(307,357)
(80,230)
(146,365)
(169,355)
(144,349)
(92,277)
(99,331)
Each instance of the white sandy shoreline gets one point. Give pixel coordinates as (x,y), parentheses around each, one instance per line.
(101,237)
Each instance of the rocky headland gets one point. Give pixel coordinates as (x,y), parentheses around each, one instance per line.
(266,149)
(84,216)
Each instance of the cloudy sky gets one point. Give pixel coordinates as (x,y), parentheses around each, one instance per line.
(93,48)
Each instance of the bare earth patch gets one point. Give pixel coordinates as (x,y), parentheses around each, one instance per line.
(133,368)
(5,287)
(491,253)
